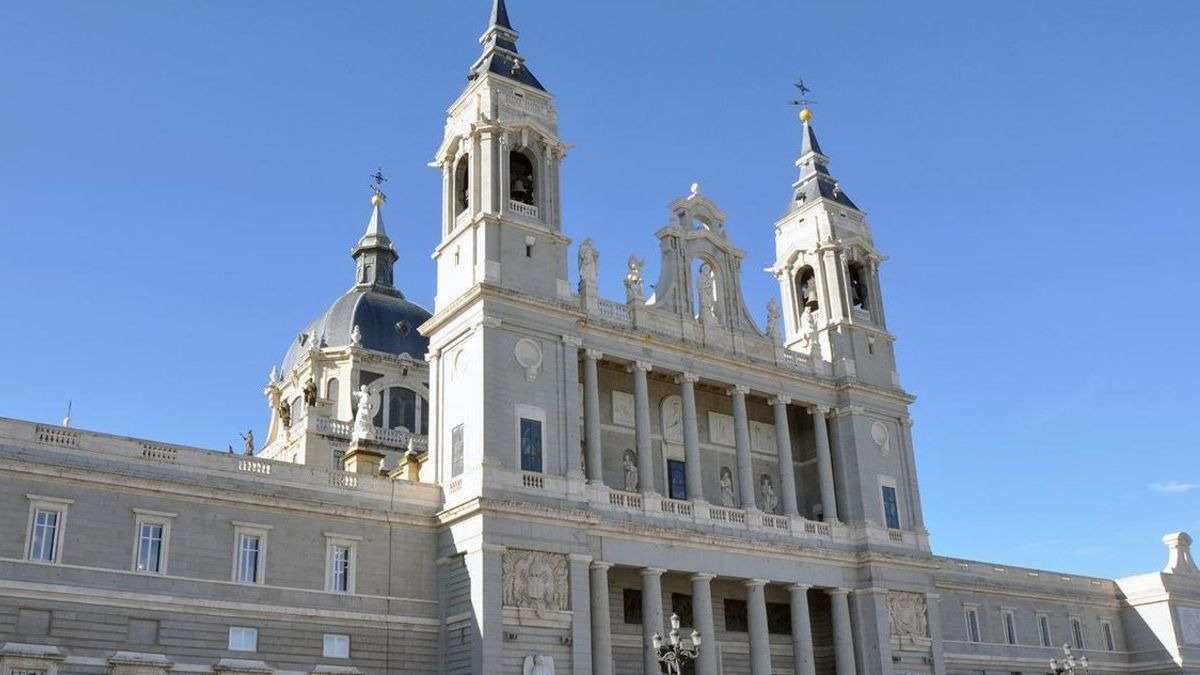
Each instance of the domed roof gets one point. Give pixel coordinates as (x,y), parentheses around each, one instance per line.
(388,323)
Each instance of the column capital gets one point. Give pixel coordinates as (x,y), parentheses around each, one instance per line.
(906,422)
(750,583)
(601,565)
(780,400)
(572,341)
(643,366)
(738,389)
(838,591)
(593,354)
(492,548)
(799,587)
(651,571)
(849,410)
(691,378)
(703,576)
(579,557)
(818,410)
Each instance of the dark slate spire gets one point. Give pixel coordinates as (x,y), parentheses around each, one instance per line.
(815,180)
(500,51)
(375,257)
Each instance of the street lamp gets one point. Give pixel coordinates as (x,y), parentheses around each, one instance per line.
(1068,665)
(674,655)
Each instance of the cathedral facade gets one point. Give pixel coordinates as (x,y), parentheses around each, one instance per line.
(535,479)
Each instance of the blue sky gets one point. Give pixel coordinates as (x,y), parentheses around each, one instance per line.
(181,183)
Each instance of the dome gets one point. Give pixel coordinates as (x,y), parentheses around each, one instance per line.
(388,323)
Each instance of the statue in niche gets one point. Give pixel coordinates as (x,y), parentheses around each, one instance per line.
(629,463)
(534,579)
(773,320)
(808,291)
(707,287)
(310,392)
(364,427)
(538,664)
(766,490)
(588,259)
(356,336)
(285,415)
(248,440)
(635,290)
(727,498)
(906,614)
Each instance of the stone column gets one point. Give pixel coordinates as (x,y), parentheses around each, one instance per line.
(641,396)
(760,640)
(824,463)
(933,619)
(484,567)
(602,662)
(916,516)
(652,617)
(691,437)
(783,441)
(741,439)
(802,640)
(570,424)
(581,614)
(843,637)
(591,417)
(702,616)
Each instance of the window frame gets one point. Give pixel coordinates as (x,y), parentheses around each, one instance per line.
(60,508)
(1045,632)
(974,633)
(1008,626)
(333,541)
(458,449)
(1107,636)
(1078,640)
(243,631)
(889,482)
(535,414)
(337,638)
(143,517)
(240,529)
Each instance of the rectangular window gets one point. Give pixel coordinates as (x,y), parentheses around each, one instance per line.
(1008,619)
(779,618)
(340,557)
(681,604)
(249,552)
(1077,632)
(456,451)
(891,509)
(735,615)
(150,545)
(1109,643)
(1044,630)
(972,618)
(341,569)
(243,639)
(337,646)
(676,479)
(531,445)
(47,522)
(631,598)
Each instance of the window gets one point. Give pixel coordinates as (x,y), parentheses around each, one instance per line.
(631,598)
(520,178)
(681,604)
(47,520)
(891,508)
(1009,621)
(152,531)
(462,184)
(341,552)
(1109,643)
(1044,630)
(676,479)
(858,285)
(243,639)
(531,444)
(250,552)
(331,394)
(972,618)
(456,451)
(779,618)
(735,615)
(1077,632)
(337,646)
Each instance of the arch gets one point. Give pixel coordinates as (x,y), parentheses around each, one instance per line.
(522,177)
(462,184)
(331,394)
(806,291)
(858,281)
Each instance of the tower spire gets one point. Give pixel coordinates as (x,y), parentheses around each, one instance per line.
(500,16)
(815,179)
(500,50)
(375,256)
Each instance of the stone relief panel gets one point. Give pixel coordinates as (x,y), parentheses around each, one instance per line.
(906,614)
(535,579)
(672,418)
(1189,625)
(622,408)
(538,664)
(762,437)
(720,428)
(882,437)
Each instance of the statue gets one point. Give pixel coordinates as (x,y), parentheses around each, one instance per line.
(538,664)
(770,502)
(727,488)
(285,414)
(310,392)
(707,287)
(808,290)
(629,463)
(634,285)
(364,427)
(773,320)
(356,336)
(274,376)
(248,437)
(588,257)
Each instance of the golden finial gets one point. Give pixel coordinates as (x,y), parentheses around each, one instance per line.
(377,199)
(805,115)
(803,101)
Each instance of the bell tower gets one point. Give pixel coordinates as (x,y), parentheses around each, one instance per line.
(828,272)
(500,157)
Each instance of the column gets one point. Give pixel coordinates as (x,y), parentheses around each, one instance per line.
(741,439)
(802,642)
(570,383)
(917,518)
(824,462)
(483,567)
(581,615)
(691,437)
(652,617)
(591,417)
(843,638)
(760,639)
(702,616)
(933,616)
(601,620)
(783,441)
(641,420)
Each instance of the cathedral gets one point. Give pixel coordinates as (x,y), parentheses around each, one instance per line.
(532,479)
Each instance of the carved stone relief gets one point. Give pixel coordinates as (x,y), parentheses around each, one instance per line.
(622,408)
(672,418)
(720,428)
(906,614)
(762,437)
(538,664)
(535,579)
(879,434)
(529,355)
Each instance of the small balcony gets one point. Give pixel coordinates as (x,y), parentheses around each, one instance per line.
(527,210)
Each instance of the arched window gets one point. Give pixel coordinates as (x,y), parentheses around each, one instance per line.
(403,407)
(858,285)
(806,290)
(462,184)
(331,393)
(520,178)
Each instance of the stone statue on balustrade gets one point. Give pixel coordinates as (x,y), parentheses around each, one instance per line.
(364,427)
(248,439)
(635,288)
(727,498)
(356,336)
(588,259)
(766,490)
(285,414)
(629,463)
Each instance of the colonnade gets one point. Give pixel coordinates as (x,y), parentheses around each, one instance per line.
(691,438)
(702,612)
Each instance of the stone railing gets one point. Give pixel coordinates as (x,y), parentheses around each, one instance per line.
(613,311)
(522,208)
(58,436)
(395,438)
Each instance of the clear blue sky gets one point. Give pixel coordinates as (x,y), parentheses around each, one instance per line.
(181,183)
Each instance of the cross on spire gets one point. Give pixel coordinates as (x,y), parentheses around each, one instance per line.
(377,181)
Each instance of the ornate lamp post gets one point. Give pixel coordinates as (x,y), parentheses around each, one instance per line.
(675,655)
(1068,665)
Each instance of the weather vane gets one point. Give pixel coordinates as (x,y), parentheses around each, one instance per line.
(377,181)
(803,101)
